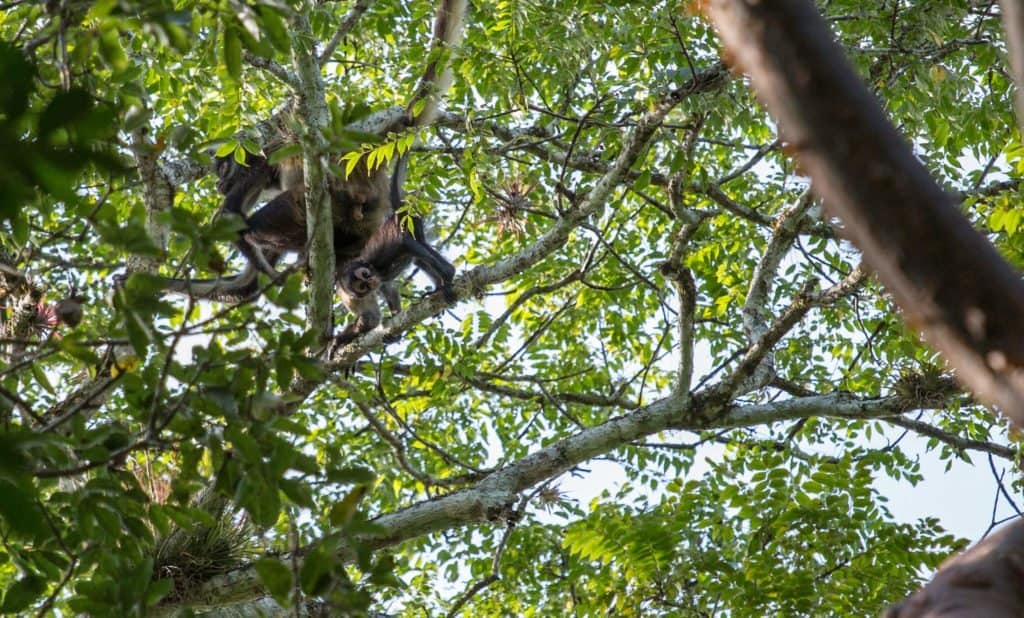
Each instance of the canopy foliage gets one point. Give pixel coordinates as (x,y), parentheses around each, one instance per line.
(646,285)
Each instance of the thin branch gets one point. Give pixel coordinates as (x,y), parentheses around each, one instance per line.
(489,579)
(1002,487)
(754,160)
(958,442)
(804,302)
(520,300)
(286,77)
(397,448)
(347,24)
(715,193)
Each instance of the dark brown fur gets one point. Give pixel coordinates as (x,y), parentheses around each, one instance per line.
(386,255)
(361,203)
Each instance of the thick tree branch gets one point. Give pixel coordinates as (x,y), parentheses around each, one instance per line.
(755,311)
(493,499)
(786,227)
(1013,24)
(986,580)
(949,281)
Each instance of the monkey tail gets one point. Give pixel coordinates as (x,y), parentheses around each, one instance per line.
(438,75)
(398,181)
(237,288)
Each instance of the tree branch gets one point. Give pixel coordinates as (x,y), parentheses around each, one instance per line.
(966,301)
(346,26)
(958,442)
(493,499)
(983,581)
(1013,25)
(285,76)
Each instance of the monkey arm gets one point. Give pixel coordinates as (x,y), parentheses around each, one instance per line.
(389,291)
(366,320)
(274,228)
(234,289)
(437,267)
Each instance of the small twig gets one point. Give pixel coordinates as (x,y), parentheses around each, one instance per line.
(493,576)
(100,385)
(1002,488)
(284,75)
(68,572)
(346,25)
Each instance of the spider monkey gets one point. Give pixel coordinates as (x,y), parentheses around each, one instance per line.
(386,255)
(361,203)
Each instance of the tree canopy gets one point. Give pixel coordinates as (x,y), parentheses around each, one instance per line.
(645,278)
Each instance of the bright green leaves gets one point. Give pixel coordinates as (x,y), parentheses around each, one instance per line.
(373,157)
(757,535)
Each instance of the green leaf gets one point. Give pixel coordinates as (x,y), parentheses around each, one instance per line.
(275,29)
(19,510)
(157,590)
(233,54)
(275,576)
(285,152)
(315,574)
(343,511)
(65,110)
(355,474)
(228,148)
(246,445)
(22,593)
(40,376)
(111,50)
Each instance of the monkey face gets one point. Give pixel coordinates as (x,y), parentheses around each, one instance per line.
(364,280)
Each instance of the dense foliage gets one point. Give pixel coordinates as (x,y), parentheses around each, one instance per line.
(644,279)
